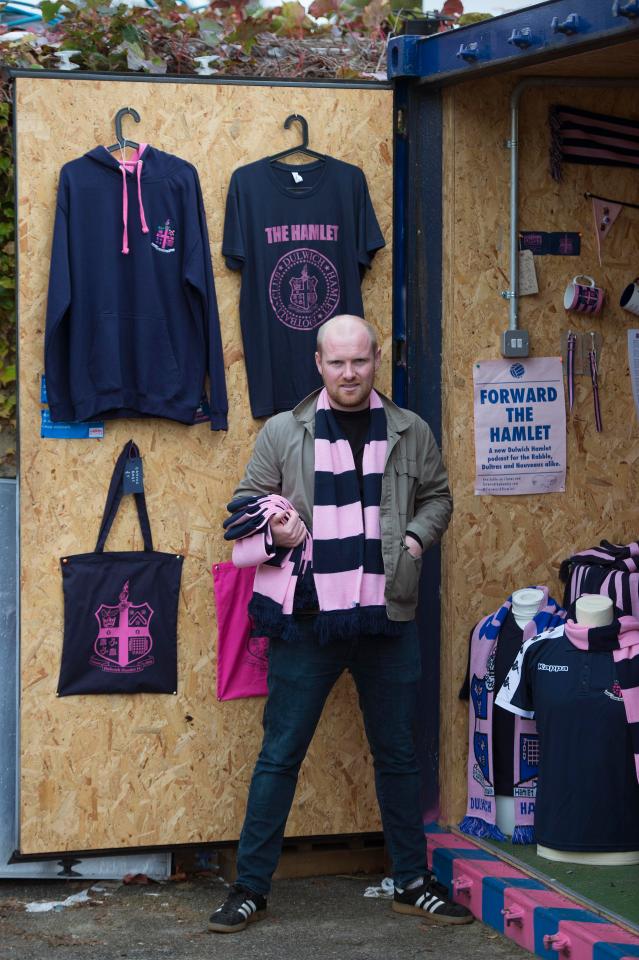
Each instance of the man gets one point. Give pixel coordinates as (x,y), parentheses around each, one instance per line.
(367,478)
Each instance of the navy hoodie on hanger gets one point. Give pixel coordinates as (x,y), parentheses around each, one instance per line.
(132,325)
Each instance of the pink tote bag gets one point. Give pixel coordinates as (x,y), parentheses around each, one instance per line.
(242,659)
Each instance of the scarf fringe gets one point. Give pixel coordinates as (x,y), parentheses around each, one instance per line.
(522,835)
(360,621)
(476,827)
(268,620)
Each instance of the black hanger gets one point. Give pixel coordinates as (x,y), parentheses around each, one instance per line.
(122,142)
(303,147)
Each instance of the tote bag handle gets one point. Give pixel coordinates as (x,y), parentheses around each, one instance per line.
(114,497)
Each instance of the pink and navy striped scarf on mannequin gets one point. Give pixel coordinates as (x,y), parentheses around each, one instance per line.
(481,812)
(621,638)
(339,570)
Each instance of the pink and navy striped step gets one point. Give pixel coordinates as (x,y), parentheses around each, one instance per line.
(524,909)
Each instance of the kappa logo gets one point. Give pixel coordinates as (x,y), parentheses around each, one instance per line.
(165,237)
(553,667)
(124,641)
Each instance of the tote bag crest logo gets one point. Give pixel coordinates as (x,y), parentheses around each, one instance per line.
(124,640)
(131,596)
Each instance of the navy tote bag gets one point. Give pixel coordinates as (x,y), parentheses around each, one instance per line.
(120,609)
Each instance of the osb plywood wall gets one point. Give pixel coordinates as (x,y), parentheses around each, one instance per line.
(107,772)
(498,544)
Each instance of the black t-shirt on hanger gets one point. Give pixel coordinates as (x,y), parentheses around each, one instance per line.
(302,236)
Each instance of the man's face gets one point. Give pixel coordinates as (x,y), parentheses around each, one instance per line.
(347,366)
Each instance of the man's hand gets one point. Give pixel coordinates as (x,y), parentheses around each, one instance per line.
(287,528)
(413,546)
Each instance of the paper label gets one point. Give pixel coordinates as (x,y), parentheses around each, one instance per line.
(527,274)
(133,481)
(93,430)
(297,177)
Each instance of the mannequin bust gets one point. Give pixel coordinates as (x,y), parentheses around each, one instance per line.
(591,610)
(525,604)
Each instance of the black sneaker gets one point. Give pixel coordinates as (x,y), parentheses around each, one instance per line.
(240,908)
(430,902)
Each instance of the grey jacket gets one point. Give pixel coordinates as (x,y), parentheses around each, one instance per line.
(415,493)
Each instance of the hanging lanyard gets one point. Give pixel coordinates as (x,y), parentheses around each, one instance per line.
(592,358)
(571,343)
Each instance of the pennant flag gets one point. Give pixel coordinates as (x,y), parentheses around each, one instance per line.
(605,214)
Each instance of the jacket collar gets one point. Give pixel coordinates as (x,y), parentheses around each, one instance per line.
(396,418)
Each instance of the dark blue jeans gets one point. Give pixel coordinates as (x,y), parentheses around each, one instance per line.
(386,671)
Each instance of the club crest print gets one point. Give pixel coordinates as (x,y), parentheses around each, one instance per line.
(124,641)
(304,289)
(165,237)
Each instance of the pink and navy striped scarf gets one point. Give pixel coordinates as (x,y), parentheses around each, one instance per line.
(580,136)
(339,569)
(621,638)
(611,569)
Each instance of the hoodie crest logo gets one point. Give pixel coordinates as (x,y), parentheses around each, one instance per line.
(165,237)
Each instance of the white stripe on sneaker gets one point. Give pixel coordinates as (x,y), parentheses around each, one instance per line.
(250,904)
(245,913)
(435,906)
(420,900)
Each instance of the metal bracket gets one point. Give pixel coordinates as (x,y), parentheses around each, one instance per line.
(521,38)
(67,864)
(469,52)
(508,294)
(628,9)
(400,358)
(568,26)
(583,343)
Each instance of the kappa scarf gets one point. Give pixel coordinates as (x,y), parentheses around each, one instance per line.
(480,819)
(621,638)
(610,569)
(344,555)
(579,136)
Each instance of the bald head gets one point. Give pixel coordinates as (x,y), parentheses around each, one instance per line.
(345,325)
(347,359)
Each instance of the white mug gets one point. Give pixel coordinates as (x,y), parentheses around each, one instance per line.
(630,297)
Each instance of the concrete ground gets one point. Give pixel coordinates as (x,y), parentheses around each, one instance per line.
(324,918)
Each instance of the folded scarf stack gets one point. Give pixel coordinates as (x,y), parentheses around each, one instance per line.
(611,569)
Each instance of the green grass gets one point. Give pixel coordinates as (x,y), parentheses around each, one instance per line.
(615,889)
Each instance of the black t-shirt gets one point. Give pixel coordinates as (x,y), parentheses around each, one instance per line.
(302,237)
(355,425)
(587,792)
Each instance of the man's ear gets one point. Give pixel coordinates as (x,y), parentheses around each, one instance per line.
(378,357)
(318,362)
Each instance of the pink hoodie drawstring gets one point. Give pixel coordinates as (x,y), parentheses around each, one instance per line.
(145,229)
(125,201)
(125,211)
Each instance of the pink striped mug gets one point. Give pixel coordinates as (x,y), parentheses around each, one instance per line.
(582,297)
